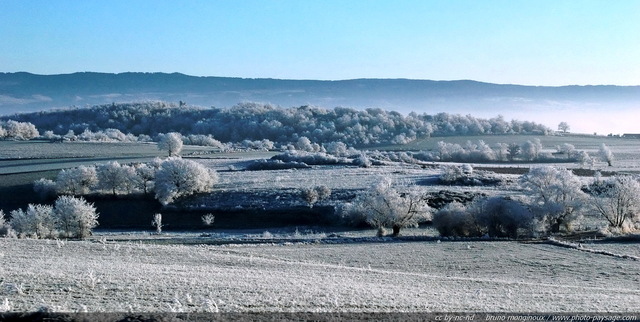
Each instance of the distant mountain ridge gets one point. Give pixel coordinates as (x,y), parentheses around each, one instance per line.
(24,92)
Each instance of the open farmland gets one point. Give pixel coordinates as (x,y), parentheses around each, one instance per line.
(311,269)
(374,277)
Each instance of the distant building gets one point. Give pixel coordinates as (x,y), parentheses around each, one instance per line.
(631,136)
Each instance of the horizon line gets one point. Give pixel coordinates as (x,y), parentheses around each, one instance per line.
(319,80)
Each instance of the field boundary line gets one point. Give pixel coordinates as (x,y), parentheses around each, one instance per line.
(566,244)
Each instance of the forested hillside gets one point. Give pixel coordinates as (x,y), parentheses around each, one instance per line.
(252,121)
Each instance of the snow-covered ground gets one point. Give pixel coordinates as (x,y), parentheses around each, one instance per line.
(386,276)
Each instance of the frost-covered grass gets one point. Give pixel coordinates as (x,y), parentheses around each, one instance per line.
(411,276)
(626,151)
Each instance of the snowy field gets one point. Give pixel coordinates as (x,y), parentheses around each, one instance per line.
(316,277)
(311,269)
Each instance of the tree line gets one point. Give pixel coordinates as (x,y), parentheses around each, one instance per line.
(255,122)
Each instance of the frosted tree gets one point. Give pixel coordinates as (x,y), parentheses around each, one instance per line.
(304,144)
(44,222)
(21,223)
(618,201)
(170,142)
(20,130)
(501,151)
(36,221)
(75,217)
(568,149)
(385,207)
(531,149)
(584,159)
(76,181)
(338,149)
(178,178)
(3,132)
(605,154)
(555,195)
(513,150)
(116,178)
(45,188)
(145,175)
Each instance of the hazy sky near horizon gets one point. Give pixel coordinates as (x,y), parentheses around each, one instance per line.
(537,42)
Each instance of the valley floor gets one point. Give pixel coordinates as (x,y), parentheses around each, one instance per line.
(386,276)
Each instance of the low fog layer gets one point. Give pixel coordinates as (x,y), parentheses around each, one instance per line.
(588,109)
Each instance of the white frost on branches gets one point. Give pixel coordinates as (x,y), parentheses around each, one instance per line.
(179,178)
(170,142)
(76,181)
(555,195)
(618,201)
(75,217)
(385,207)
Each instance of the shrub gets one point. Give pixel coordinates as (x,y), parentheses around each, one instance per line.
(502,217)
(208,219)
(494,217)
(37,221)
(313,195)
(310,196)
(5,227)
(157,223)
(465,176)
(260,165)
(310,158)
(454,219)
(453,173)
(362,161)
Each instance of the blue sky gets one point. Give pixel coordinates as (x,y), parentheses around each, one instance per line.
(537,42)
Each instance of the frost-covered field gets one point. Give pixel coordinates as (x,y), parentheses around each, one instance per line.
(317,270)
(388,276)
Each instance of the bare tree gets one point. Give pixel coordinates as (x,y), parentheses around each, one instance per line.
(564,127)
(385,207)
(618,201)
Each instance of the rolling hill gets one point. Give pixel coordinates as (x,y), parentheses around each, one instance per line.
(25,92)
